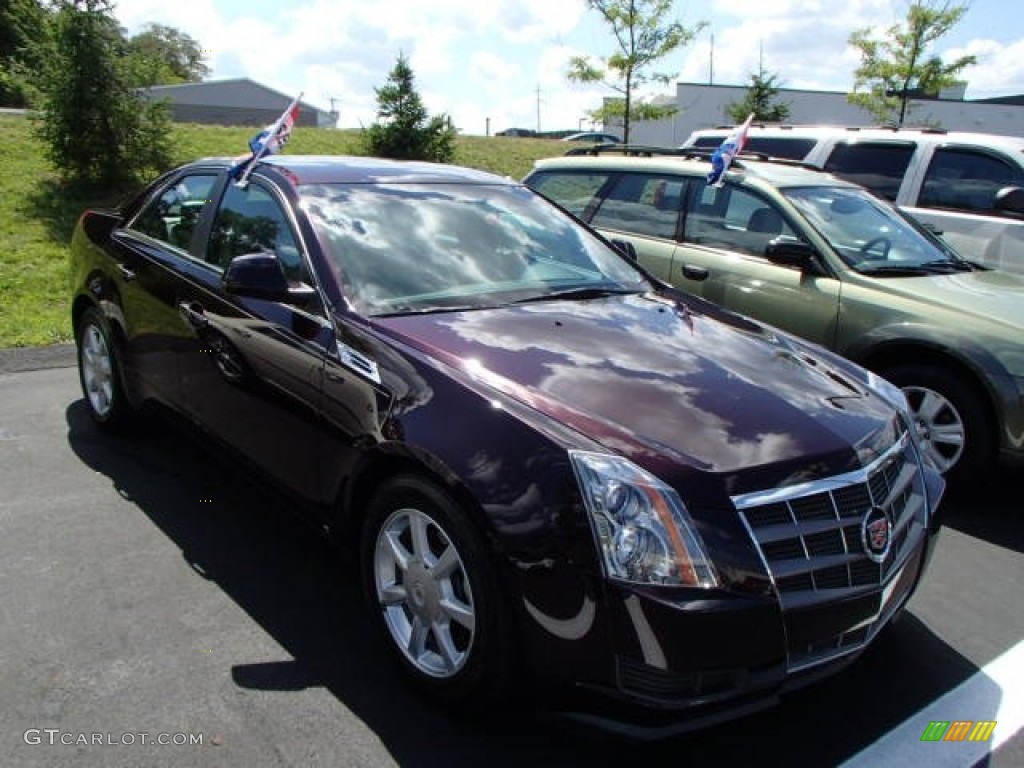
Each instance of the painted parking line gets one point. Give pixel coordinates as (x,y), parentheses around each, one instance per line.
(993,694)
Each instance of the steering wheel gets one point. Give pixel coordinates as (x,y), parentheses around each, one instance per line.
(883,243)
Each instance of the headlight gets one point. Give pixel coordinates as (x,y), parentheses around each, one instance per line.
(643,529)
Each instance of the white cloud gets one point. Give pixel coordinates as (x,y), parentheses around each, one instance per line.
(476,60)
(999,70)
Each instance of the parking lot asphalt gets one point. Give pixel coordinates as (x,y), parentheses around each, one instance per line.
(147,592)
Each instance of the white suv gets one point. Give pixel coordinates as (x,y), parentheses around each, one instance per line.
(968,187)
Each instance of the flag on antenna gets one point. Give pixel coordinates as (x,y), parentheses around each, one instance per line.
(269,141)
(723,156)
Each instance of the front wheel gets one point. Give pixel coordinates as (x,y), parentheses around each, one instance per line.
(431,585)
(99,372)
(954,428)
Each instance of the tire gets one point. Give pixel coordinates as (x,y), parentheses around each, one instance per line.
(956,431)
(433,591)
(99,373)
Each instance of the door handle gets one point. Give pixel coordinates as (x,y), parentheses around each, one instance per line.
(693,272)
(193,314)
(126,273)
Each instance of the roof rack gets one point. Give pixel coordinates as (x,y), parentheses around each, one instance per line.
(687,153)
(924,128)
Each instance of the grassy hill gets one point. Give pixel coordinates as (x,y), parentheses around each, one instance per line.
(37,215)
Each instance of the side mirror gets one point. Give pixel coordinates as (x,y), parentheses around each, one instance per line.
(260,276)
(1010,200)
(792,253)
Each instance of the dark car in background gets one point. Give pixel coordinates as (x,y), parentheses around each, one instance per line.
(595,137)
(552,468)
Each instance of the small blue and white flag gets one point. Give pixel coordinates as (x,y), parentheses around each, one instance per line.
(723,156)
(269,141)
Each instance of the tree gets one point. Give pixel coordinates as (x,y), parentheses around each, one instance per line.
(97,128)
(405,130)
(162,55)
(759,100)
(24,31)
(897,66)
(643,37)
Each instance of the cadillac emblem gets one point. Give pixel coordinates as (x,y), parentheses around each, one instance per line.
(876,534)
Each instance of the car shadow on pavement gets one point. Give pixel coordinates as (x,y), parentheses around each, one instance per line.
(988,509)
(300,591)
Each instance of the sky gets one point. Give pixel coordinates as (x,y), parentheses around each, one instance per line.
(497,64)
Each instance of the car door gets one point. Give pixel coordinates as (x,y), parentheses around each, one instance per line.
(958,199)
(150,252)
(722,258)
(252,372)
(643,209)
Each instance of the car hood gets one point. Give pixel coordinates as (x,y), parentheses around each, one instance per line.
(648,377)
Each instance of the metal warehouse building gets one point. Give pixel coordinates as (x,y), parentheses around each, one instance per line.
(234,102)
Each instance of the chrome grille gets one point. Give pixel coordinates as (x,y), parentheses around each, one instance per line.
(810,540)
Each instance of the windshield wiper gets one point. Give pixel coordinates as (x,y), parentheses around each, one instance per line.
(949,265)
(937,267)
(586,292)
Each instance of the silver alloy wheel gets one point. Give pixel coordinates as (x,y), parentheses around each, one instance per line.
(97,371)
(424,592)
(939,426)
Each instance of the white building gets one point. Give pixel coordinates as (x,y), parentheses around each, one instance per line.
(706,106)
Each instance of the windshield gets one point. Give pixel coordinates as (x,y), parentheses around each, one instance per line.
(405,248)
(870,235)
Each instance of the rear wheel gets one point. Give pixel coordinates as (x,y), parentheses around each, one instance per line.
(955,430)
(99,372)
(432,587)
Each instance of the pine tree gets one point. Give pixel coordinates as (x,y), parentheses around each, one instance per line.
(760,100)
(404,129)
(98,129)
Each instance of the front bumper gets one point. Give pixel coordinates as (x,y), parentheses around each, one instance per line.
(686,659)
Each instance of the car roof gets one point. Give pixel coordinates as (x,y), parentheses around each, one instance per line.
(329,169)
(858,133)
(774,173)
(587,134)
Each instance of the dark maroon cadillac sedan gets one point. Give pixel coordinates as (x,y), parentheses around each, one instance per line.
(554,468)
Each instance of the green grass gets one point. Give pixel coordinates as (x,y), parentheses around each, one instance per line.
(38,213)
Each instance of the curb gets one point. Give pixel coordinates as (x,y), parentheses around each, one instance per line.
(19,359)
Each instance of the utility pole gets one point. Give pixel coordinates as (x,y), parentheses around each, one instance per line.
(538,108)
(711,62)
(334,111)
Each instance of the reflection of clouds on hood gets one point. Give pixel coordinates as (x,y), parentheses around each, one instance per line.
(594,334)
(667,412)
(723,397)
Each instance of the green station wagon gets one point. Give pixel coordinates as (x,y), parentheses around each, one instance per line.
(829,261)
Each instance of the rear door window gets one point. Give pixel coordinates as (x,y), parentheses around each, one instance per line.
(966,179)
(576,192)
(878,166)
(172,216)
(643,204)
